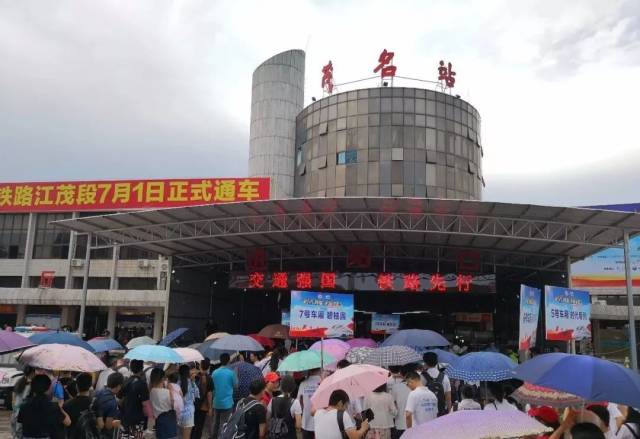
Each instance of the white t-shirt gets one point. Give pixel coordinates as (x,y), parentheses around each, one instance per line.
(624,432)
(326,423)
(613,414)
(383,407)
(422,403)
(160,401)
(497,405)
(433,373)
(296,409)
(305,391)
(102,379)
(400,392)
(469,404)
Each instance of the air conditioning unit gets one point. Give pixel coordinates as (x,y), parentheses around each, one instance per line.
(143,263)
(164,267)
(77,263)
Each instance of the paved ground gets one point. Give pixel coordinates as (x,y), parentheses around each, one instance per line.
(5,429)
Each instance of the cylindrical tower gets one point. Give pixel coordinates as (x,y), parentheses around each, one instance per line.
(277,96)
(389,141)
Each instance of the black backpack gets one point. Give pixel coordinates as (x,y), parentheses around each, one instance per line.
(85,427)
(236,426)
(436,386)
(281,423)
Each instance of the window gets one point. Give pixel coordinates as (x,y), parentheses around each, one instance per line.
(137,283)
(348,157)
(13,235)
(51,242)
(94,283)
(132,253)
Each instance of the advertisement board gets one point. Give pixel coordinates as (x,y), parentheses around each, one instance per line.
(318,314)
(605,269)
(382,324)
(116,195)
(567,314)
(286,318)
(529,311)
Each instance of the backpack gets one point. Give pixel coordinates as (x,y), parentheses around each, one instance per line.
(436,386)
(236,426)
(280,423)
(340,416)
(86,427)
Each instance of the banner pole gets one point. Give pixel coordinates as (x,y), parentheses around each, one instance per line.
(630,306)
(322,356)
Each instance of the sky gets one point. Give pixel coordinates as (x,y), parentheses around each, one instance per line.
(157,88)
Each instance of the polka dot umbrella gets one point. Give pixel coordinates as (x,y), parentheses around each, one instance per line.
(482,366)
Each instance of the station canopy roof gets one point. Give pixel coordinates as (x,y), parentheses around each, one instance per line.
(515,235)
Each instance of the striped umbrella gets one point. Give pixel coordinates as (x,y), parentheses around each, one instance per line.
(537,395)
(358,355)
(392,356)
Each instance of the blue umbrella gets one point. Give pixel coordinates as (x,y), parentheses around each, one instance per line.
(247,373)
(418,339)
(60,338)
(172,336)
(482,366)
(155,354)
(445,356)
(237,343)
(105,345)
(212,354)
(588,377)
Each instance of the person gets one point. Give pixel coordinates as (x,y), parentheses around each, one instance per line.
(254,358)
(343,363)
(190,393)
(255,416)
(546,416)
(285,408)
(106,405)
(615,419)
(384,410)
(603,416)
(400,392)
(467,402)
(273,383)
(306,390)
(39,416)
(162,404)
(274,361)
(224,381)
(135,393)
(202,404)
(102,377)
(630,427)
(422,403)
(172,384)
(333,421)
(586,430)
(82,402)
(20,393)
(498,402)
(437,382)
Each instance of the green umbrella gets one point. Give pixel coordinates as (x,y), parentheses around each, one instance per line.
(305,360)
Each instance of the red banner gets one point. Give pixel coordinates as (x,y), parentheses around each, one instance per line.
(114,195)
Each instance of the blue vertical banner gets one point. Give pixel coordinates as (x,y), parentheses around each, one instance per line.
(318,314)
(567,313)
(529,311)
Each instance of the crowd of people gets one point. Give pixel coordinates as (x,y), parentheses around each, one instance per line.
(195,401)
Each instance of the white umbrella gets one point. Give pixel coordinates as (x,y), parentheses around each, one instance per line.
(140,341)
(62,357)
(189,355)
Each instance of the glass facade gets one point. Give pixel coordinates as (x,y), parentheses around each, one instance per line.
(13,235)
(51,242)
(395,141)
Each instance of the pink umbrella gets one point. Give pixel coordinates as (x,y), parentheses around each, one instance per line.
(357,380)
(189,355)
(332,346)
(62,357)
(362,343)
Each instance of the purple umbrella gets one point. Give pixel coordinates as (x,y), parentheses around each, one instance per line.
(362,343)
(10,342)
(335,347)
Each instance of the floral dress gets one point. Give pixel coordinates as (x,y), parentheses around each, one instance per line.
(187,414)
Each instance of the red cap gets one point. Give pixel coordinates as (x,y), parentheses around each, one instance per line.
(272,377)
(545,413)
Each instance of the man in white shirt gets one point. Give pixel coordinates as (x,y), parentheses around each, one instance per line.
(305,392)
(422,404)
(328,421)
(400,392)
(468,403)
(431,361)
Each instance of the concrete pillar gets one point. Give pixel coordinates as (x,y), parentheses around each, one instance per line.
(73,242)
(167,285)
(113,283)
(22,312)
(64,316)
(157,324)
(28,251)
(111,320)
